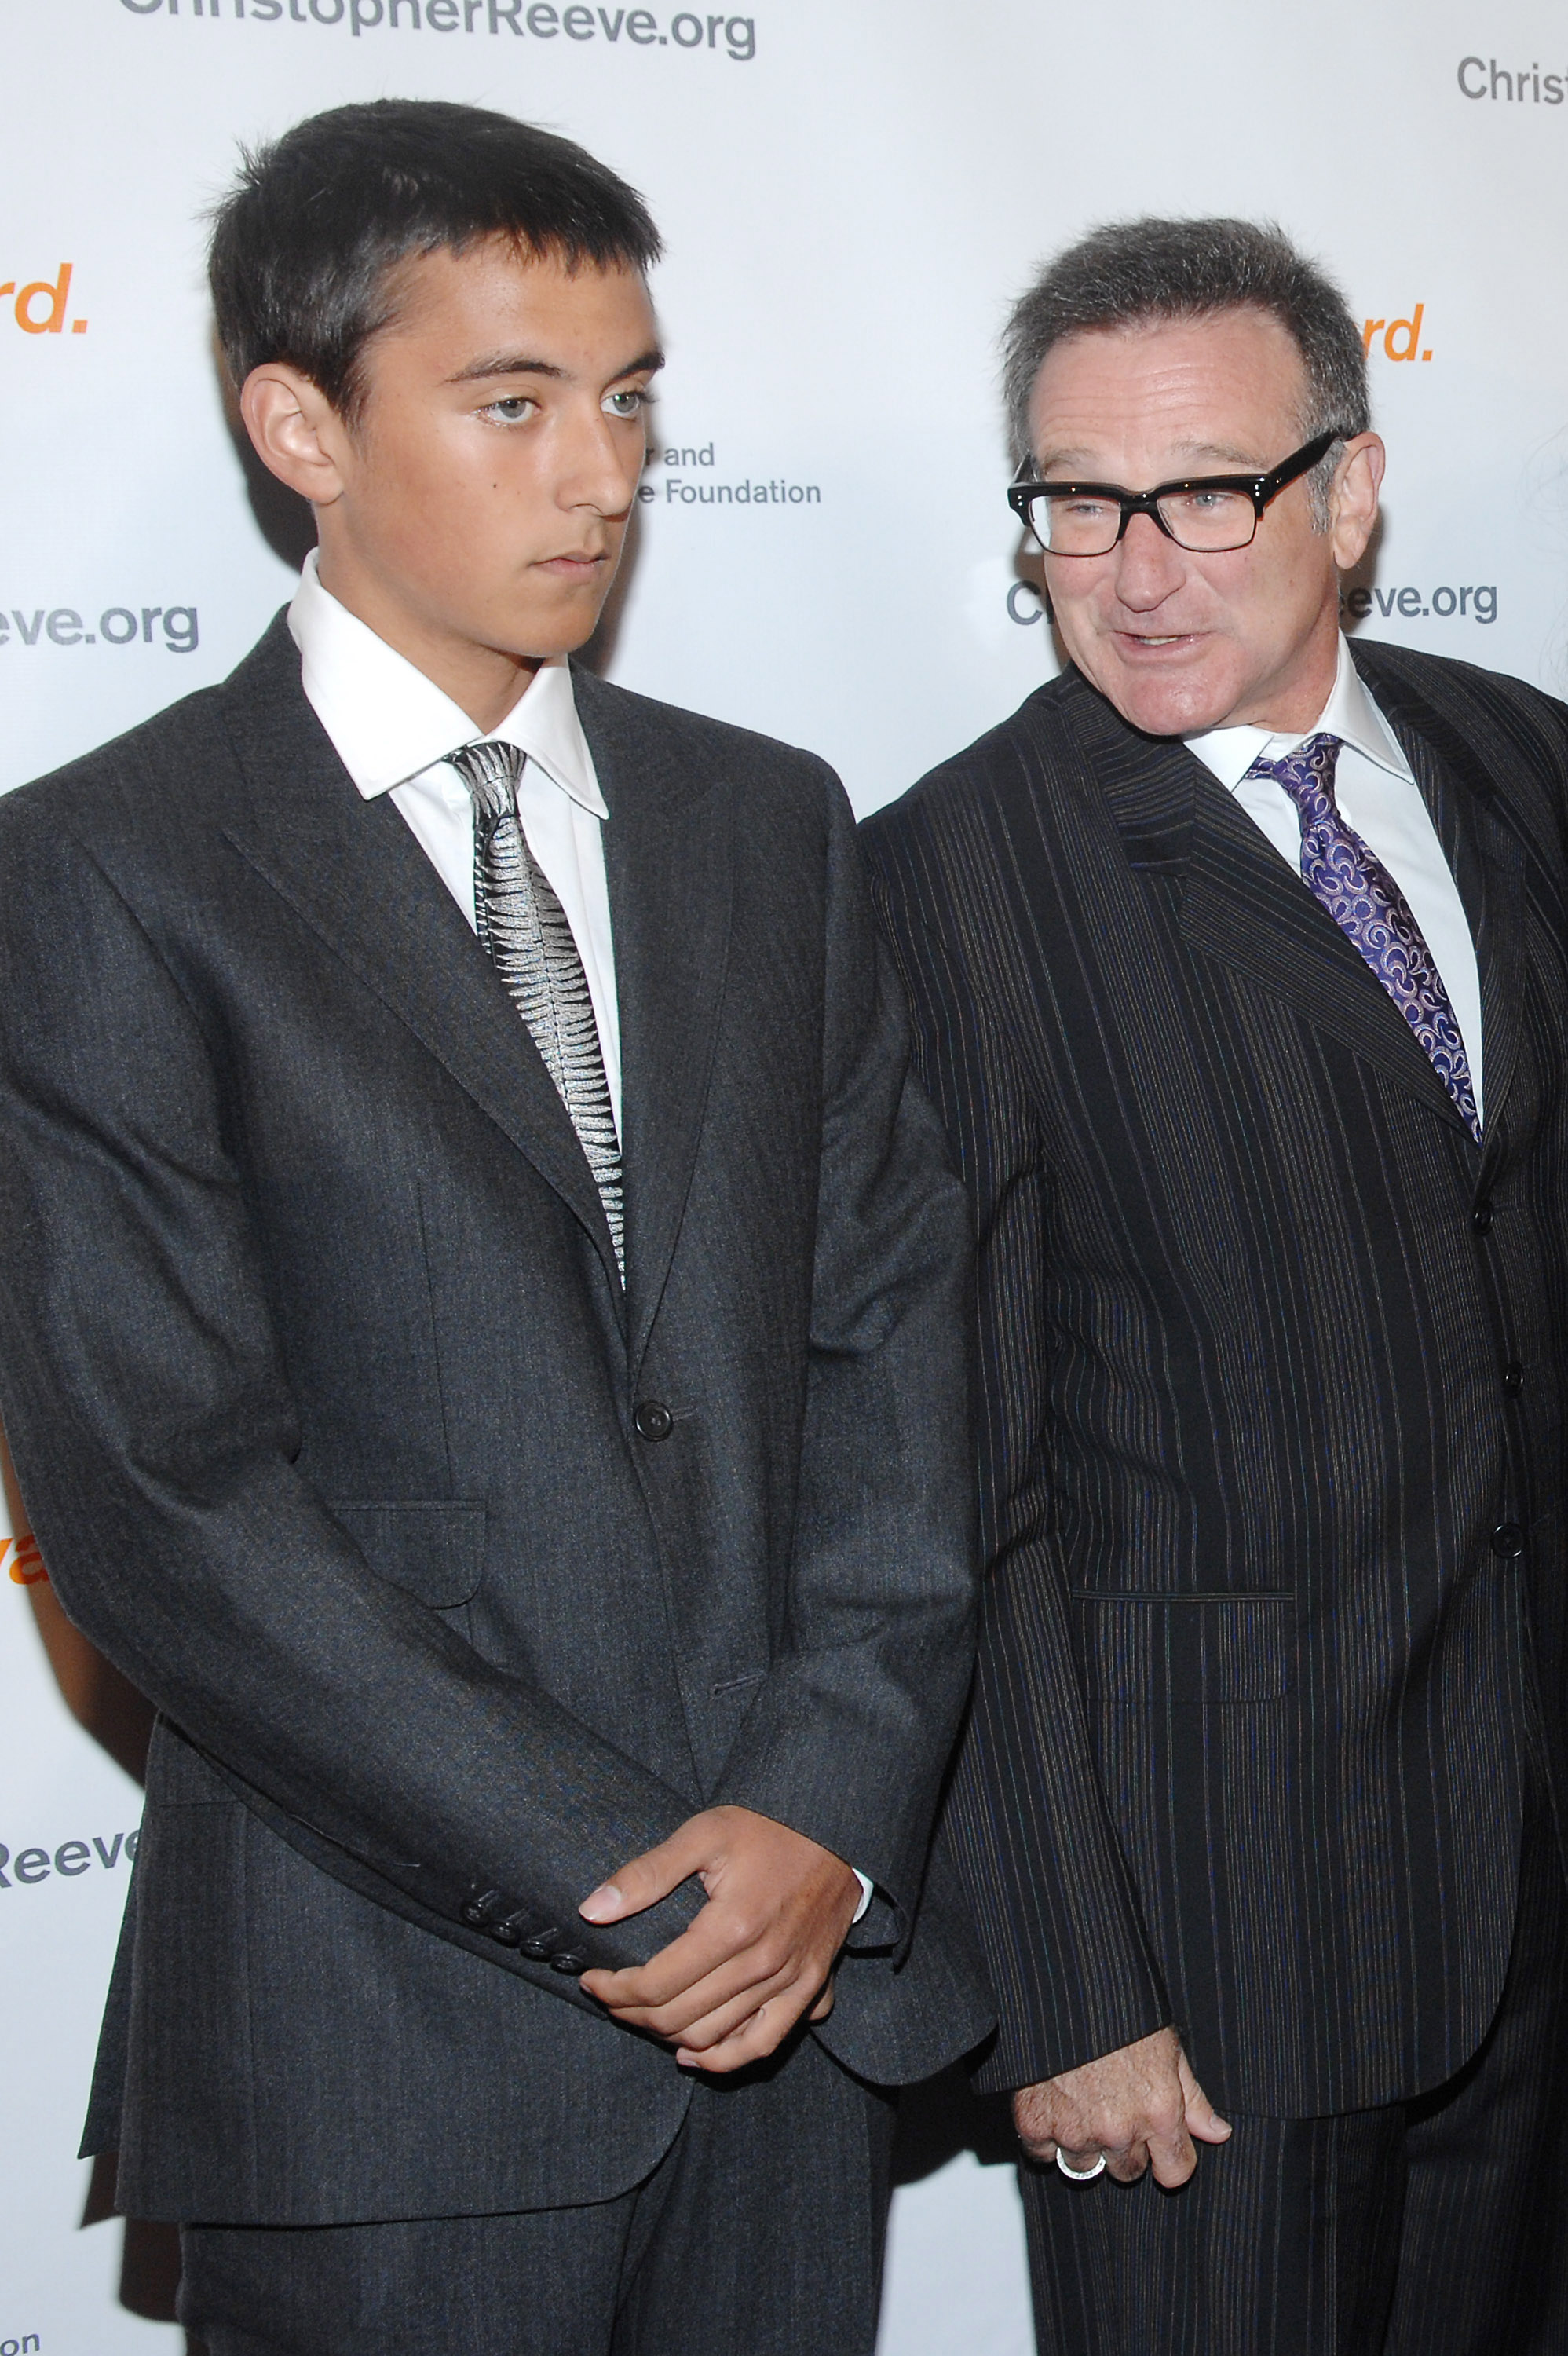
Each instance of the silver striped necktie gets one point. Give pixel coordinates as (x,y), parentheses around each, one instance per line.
(524,928)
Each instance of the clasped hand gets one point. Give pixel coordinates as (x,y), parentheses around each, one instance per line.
(760,1954)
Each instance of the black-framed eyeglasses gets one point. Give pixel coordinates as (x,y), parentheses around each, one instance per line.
(1204,513)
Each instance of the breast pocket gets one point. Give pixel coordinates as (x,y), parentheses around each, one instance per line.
(432,1549)
(1148,1650)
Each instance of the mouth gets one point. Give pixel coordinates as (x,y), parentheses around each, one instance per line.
(575,564)
(1137,645)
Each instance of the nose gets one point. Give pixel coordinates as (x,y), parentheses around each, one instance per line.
(1149,567)
(602,463)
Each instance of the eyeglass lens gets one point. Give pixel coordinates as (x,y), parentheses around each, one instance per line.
(1085,526)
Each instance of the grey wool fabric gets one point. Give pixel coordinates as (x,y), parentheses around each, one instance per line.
(338,1432)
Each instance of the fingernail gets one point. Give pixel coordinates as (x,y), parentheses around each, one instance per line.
(602,1903)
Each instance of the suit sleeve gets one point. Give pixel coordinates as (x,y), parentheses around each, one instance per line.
(1031,1833)
(848,1738)
(155,1439)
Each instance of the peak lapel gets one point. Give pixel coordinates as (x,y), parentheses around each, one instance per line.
(669,854)
(1241,903)
(352,871)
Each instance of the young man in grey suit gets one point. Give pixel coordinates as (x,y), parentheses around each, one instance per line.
(483,1351)
(1240,962)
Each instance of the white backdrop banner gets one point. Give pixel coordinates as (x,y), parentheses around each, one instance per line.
(852,192)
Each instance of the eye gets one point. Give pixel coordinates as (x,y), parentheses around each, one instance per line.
(629,404)
(514,409)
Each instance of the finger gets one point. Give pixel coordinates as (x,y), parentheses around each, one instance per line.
(1032,2123)
(1202,2119)
(763,2034)
(1085,2159)
(706,1945)
(1172,2158)
(1127,2164)
(824,2005)
(695,2020)
(647,1878)
(715,2028)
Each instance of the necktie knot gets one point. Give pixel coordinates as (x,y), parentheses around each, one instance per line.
(490,771)
(1306,775)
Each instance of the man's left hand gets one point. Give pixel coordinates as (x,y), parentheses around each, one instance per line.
(760,1952)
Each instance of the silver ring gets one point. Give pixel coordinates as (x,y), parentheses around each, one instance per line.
(1080,2175)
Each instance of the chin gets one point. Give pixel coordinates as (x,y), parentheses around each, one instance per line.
(1173,706)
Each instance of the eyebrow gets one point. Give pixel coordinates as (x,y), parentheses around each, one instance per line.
(1233,458)
(1230,456)
(523,364)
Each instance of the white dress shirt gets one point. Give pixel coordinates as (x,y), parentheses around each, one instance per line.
(1378,795)
(392,728)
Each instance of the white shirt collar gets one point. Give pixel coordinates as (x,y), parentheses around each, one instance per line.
(389,722)
(1350,714)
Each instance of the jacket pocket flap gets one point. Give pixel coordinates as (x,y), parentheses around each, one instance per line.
(433,1549)
(1187,1648)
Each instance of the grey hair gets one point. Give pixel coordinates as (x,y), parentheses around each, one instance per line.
(1125,273)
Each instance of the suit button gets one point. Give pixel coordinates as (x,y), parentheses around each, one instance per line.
(1508,1540)
(1482,1216)
(562,1961)
(508,1933)
(1513,1379)
(480,1911)
(537,1946)
(653,1420)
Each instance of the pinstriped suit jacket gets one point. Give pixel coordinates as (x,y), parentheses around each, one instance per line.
(1260,1680)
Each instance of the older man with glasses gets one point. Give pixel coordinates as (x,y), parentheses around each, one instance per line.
(1240,967)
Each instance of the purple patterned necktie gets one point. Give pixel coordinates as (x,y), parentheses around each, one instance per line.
(1371,912)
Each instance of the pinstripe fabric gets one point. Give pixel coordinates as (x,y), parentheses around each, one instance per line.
(1245,1749)
(1430,2228)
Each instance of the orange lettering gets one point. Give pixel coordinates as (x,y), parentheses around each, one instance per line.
(56,292)
(1409,332)
(1370,330)
(27,1570)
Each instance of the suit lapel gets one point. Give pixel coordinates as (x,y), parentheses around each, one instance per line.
(1241,903)
(1487,859)
(669,854)
(352,871)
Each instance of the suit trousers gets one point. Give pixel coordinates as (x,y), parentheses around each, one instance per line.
(760,2229)
(1428,2227)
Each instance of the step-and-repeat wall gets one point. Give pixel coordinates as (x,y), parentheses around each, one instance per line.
(852,190)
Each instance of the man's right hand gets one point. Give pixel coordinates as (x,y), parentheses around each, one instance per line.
(1140,2107)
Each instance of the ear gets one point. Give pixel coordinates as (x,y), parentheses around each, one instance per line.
(297,433)
(1353,499)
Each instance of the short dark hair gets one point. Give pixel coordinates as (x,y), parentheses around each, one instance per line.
(306,246)
(1124,273)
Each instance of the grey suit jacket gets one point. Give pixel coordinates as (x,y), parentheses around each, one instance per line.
(324,1399)
(1271,1372)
